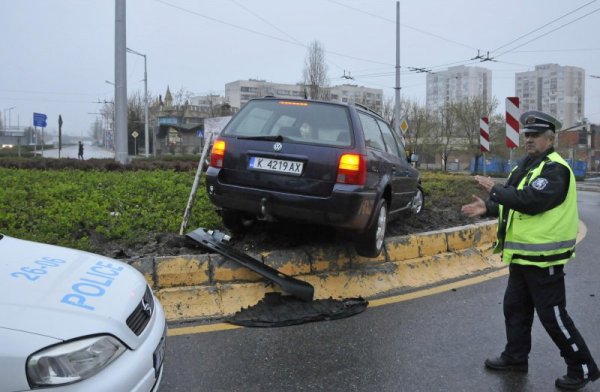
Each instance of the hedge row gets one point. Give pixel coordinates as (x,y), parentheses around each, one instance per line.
(70,206)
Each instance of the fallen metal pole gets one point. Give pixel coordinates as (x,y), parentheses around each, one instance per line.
(190,203)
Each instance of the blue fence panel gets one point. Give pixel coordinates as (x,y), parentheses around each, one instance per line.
(579,168)
(492,166)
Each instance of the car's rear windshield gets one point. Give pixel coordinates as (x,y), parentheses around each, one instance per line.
(305,122)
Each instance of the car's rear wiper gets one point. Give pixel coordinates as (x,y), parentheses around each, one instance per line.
(273,138)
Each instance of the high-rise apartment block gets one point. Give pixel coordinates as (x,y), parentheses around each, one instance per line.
(456,84)
(554,89)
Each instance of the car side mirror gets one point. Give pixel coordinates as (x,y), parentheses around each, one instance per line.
(413,158)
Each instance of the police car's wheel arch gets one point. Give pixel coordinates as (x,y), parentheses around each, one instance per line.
(370,242)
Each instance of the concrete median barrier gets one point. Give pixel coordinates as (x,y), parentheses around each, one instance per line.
(209,286)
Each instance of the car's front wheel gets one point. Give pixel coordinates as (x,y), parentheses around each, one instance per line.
(370,242)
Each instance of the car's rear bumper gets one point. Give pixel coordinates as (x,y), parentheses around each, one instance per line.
(348,207)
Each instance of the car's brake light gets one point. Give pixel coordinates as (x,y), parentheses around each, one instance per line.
(217,153)
(352,169)
(292,103)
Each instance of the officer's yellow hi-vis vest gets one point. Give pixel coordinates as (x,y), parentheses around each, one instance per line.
(543,239)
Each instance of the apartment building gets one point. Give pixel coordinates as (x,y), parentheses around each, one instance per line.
(554,89)
(456,84)
(241,91)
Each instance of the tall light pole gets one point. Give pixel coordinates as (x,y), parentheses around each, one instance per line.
(7,110)
(121,144)
(146,139)
(397,88)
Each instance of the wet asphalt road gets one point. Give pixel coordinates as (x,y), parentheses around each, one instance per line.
(434,343)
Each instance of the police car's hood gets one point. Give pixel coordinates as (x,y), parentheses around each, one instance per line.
(65,293)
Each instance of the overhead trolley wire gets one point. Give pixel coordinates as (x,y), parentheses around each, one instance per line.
(548,32)
(541,27)
(261,33)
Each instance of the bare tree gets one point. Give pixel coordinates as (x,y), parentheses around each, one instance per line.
(420,124)
(182,97)
(387,109)
(468,114)
(315,72)
(444,133)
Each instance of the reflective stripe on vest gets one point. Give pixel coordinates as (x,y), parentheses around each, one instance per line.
(539,247)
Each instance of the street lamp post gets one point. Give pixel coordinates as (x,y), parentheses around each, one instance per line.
(146,138)
(7,110)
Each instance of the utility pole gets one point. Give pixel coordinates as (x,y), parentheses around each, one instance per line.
(146,138)
(121,148)
(397,88)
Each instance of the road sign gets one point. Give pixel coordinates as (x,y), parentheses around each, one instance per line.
(135,134)
(404,125)
(512,122)
(39,120)
(484,134)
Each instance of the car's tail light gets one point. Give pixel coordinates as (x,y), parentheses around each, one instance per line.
(352,169)
(217,153)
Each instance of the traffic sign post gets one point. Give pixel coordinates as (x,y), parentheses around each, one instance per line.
(135,135)
(484,138)
(39,120)
(60,123)
(512,124)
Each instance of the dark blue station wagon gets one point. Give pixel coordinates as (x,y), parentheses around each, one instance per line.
(314,162)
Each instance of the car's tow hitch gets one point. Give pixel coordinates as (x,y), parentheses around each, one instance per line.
(215,241)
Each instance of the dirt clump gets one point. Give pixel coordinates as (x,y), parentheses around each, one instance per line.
(265,236)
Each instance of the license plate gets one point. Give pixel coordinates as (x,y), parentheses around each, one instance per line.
(276,165)
(159,353)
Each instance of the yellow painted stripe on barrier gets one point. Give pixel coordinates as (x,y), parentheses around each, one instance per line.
(177,331)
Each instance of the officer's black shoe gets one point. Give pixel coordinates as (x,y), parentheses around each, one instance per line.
(501,363)
(571,383)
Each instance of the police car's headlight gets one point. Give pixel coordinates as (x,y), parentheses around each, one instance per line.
(73,361)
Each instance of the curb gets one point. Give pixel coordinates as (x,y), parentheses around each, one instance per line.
(208,286)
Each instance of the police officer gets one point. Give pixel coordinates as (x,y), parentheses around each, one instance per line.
(537,229)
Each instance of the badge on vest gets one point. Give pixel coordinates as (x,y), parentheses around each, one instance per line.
(539,184)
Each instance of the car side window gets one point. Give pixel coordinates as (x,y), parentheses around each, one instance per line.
(391,142)
(373,136)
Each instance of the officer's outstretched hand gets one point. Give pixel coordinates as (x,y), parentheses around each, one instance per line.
(474,209)
(485,182)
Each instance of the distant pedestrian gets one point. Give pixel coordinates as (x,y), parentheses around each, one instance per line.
(80,152)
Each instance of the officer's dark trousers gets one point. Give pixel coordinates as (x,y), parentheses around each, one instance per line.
(542,289)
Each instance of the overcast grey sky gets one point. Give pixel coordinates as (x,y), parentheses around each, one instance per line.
(55,55)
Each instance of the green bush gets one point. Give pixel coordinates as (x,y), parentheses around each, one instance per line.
(68,206)
(74,203)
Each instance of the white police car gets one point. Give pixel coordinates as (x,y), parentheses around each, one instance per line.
(76,321)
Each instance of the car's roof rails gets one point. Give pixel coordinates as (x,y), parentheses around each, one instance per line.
(360,105)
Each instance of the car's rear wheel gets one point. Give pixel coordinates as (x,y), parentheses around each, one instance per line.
(418,201)
(370,242)
(235,221)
